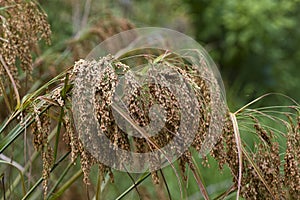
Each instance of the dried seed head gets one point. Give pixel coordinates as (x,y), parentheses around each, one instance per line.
(21,27)
(144,104)
(47,157)
(41,130)
(292,161)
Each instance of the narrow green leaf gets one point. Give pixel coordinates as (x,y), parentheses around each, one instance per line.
(139,181)
(67,185)
(20,172)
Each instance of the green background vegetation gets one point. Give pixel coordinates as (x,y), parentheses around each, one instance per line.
(255,43)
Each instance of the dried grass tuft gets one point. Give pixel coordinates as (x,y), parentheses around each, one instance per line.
(22,26)
(265,174)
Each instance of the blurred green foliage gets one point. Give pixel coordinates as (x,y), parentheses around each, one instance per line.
(254,42)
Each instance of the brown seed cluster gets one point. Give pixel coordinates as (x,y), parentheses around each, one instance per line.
(292,162)
(156,98)
(268,162)
(41,130)
(22,25)
(77,148)
(264,176)
(225,150)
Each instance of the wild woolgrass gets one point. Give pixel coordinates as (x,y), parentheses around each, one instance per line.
(258,173)
(260,146)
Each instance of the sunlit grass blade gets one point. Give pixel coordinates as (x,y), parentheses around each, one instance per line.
(239,150)
(263,96)
(20,173)
(67,185)
(13,135)
(59,180)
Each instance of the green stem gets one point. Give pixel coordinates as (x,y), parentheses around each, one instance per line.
(63,95)
(17,131)
(32,158)
(18,179)
(58,133)
(66,185)
(20,173)
(141,179)
(41,179)
(98,191)
(59,180)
